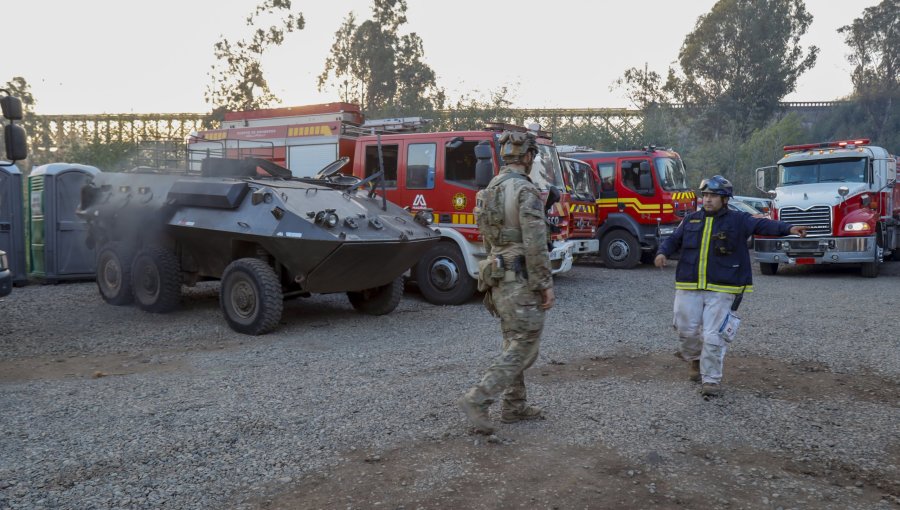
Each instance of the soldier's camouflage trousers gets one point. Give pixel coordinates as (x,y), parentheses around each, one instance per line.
(521,321)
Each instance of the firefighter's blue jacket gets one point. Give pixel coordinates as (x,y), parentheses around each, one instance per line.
(714,254)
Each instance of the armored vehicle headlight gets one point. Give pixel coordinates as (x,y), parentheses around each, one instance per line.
(786,245)
(331,220)
(425,217)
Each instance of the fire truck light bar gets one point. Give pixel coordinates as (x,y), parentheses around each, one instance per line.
(840,143)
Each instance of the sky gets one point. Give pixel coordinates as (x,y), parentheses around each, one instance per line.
(128,56)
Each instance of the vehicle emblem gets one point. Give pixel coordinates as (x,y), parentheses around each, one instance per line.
(419,202)
(460,201)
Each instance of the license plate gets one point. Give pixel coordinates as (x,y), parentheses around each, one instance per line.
(805,260)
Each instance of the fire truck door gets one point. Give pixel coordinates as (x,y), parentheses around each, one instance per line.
(420,161)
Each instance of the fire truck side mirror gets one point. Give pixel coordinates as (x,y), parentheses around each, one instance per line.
(761,178)
(484,167)
(12,107)
(553,196)
(16,144)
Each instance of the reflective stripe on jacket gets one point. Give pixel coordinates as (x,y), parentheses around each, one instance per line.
(714,254)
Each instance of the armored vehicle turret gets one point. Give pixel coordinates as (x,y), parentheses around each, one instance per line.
(265,234)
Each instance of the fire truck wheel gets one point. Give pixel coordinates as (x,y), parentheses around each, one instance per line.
(251,296)
(156,280)
(442,276)
(869,269)
(378,301)
(620,250)
(114,273)
(768,268)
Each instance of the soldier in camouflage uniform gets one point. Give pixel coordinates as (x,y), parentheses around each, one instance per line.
(517,281)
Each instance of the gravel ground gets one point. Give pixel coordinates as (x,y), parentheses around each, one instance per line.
(111,407)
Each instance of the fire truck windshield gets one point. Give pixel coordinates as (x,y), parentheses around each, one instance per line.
(545,171)
(828,170)
(670,172)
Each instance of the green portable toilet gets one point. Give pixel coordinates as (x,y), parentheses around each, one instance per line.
(12,221)
(58,249)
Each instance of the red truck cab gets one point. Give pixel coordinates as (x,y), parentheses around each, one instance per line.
(643,195)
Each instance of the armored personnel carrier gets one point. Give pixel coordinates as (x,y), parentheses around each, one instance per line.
(265,234)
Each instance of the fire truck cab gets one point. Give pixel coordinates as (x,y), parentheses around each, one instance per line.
(435,172)
(846,192)
(642,196)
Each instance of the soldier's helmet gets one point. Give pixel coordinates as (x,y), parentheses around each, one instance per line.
(514,145)
(718,185)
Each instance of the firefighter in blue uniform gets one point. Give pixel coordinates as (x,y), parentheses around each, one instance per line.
(712,276)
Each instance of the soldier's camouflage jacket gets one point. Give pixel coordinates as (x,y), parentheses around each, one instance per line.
(510,215)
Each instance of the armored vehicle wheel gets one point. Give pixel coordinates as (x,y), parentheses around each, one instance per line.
(869,269)
(156,280)
(768,268)
(380,300)
(442,276)
(251,297)
(620,250)
(114,273)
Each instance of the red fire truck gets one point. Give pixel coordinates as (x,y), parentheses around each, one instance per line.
(846,193)
(436,172)
(303,139)
(642,196)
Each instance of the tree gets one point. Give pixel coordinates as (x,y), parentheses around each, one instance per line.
(373,65)
(874,41)
(238,81)
(740,60)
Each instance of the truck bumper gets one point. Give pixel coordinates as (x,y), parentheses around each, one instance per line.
(582,246)
(561,256)
(819,250)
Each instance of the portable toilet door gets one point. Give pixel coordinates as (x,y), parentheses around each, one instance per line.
(12,222)
(58,237)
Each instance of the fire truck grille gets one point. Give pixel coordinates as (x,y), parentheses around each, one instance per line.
(817,218)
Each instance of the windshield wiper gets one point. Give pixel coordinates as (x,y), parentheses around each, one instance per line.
(833,180)
(788,183)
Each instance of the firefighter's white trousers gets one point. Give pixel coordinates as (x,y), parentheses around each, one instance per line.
(698,315)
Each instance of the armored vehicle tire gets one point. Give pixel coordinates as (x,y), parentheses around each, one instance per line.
(114,273)
(378,301)
(620,250)
(442,276)
(869,269)
(768,268)
(251,297)
(156,280)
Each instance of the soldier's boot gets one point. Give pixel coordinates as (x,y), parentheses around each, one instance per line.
(477,416)
(711,390)
(694,370)
(526,413)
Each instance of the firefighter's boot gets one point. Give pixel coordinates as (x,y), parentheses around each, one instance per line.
(477,416)
(711,390)
(523,414)
(694,370)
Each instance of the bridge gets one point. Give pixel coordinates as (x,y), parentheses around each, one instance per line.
(50,132)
